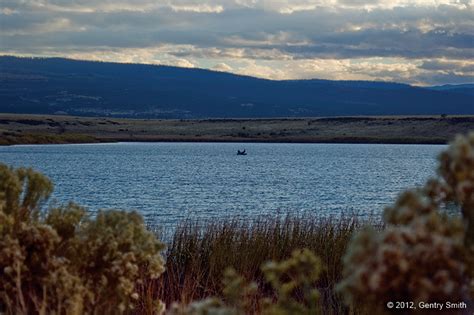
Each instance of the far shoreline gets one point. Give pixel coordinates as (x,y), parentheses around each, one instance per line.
(18,129)
(217,141)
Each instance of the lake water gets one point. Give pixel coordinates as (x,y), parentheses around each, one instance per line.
(167,182)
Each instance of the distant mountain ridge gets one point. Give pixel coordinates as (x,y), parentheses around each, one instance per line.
(87,88)
(455,88)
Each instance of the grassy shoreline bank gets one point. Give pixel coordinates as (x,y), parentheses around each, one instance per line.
(44,129)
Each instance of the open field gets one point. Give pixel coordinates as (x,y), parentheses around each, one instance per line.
(42,129)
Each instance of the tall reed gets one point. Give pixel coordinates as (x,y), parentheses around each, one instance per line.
(198,254)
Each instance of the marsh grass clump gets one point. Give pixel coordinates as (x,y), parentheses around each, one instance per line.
(198,256)
(61,261)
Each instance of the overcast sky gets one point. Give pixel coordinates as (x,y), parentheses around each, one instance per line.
(423,42)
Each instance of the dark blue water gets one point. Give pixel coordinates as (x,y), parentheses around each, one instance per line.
(167,182)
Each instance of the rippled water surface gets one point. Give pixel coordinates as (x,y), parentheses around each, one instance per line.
(170,181)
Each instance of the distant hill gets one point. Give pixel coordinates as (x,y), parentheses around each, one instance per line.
(458,88)
(63,86)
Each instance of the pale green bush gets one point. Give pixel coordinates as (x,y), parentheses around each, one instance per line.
(61,261)
(292,281)
(236,291)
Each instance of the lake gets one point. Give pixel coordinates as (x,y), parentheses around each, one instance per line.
(168,182)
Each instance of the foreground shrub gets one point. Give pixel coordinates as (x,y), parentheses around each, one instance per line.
(423,255)
(62,261)
(293,283)
(457,183)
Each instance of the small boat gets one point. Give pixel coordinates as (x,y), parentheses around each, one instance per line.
(241,152)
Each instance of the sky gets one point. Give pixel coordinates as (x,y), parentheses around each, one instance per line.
(420,42)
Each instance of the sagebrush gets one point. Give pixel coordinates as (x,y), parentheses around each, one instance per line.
(62,261)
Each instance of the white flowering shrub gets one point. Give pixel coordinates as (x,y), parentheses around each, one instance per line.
(457,177)
(423,254)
